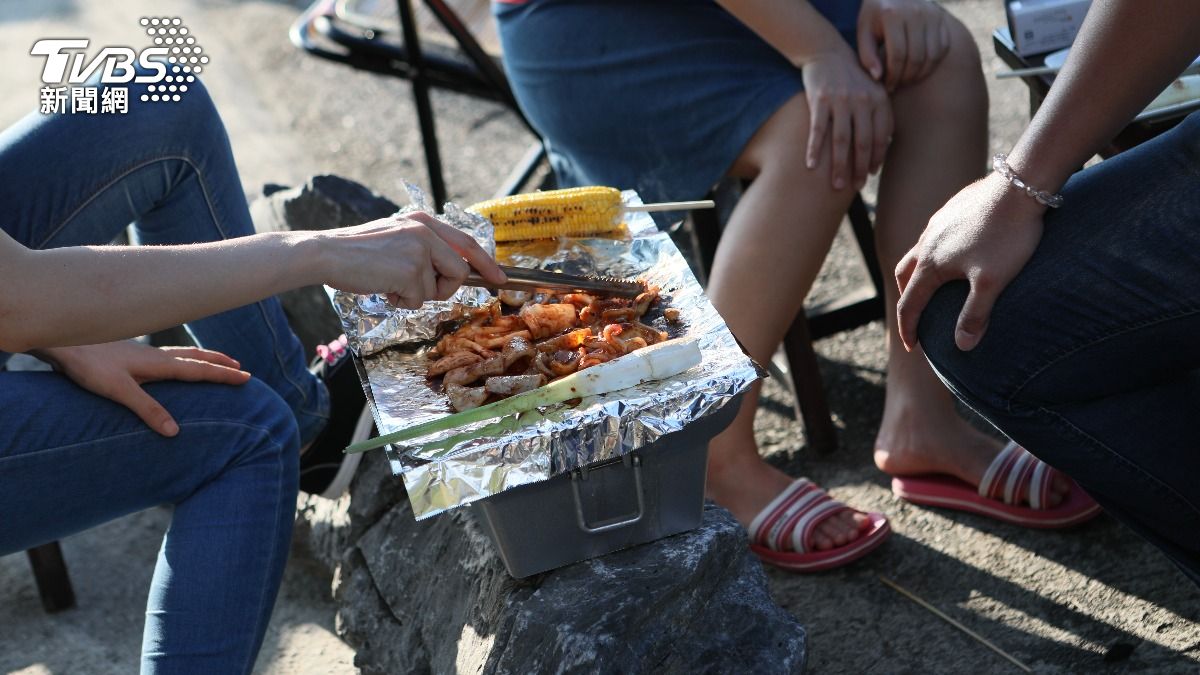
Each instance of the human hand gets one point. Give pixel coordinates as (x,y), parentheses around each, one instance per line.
(849,109)
(411,259)
(913,34)
(116,371)
(984,234)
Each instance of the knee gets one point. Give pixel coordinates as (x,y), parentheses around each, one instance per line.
(271,432)
(956,87)
(179,108)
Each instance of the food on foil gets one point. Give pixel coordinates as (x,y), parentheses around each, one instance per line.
(571,212)
(656,362)
(548,338)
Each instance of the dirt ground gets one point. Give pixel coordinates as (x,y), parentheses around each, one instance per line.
(1093,599)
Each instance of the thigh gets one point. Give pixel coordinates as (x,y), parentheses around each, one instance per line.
(1109,302)
(71,460)
(74,179)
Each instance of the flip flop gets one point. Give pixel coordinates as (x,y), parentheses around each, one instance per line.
(781,534)
(996,497)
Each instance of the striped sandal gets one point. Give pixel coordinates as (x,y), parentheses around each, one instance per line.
(1013,473)
(781,534)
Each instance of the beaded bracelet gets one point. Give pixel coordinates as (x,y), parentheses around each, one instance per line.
(1000,165)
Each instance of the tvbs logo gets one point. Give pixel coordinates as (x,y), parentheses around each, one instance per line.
(78,83)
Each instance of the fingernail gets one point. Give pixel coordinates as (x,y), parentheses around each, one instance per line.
(964,339)
(839,183)
(170,428)
(810,163)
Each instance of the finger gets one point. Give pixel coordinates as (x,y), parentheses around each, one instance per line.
(446,287)
(933,49)
(817,125)
(408,302)
(393,299)
(132,396)
(973,319)
(868,50)
(191,370)
(914,62)
(448,263)
(840,147)
(864,130)
(203,355)
(896,46)
(429,286)
(904,269)
(920,287)
(468,248)
(882,136)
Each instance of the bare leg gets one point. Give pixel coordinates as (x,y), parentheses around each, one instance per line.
(940,146)
(769,255)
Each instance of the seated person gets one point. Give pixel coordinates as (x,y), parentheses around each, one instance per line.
(806,99)
(1075,329)
(215,431)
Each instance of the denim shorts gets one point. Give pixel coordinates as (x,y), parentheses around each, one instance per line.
(657,96)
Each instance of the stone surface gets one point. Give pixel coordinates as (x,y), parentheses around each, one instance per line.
(321,203)
(433,596)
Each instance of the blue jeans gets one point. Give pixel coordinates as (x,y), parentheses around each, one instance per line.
(1092,356)
(70,460)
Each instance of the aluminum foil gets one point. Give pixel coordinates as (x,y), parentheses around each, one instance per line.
(443,471)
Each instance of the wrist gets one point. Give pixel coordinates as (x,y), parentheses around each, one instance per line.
(822,49)
(312,259)
(1040,173)
(1021,185)
(55,356)
(1012,201)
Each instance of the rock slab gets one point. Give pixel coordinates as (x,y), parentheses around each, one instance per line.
(433,596)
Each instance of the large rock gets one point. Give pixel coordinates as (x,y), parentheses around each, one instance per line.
(322,203)
(433,596)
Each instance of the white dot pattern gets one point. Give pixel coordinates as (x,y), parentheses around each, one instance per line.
(182,54)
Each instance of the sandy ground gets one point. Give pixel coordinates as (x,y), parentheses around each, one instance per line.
(1059,602)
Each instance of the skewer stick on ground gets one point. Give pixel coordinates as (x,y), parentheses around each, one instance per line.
(944,617)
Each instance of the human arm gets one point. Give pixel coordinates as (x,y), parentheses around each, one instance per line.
(87,295)
(848,111)
(1123,57)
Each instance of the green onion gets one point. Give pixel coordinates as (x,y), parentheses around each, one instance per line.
(648,364)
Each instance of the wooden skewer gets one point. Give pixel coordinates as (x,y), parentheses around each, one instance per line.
(672,206)
(1050,70)
(944,617)
(1026,72)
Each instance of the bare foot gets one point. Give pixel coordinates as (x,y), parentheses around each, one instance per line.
(742,482)
(916,439)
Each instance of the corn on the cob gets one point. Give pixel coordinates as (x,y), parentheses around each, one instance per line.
(571,212)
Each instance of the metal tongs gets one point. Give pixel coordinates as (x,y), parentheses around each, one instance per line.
(525,279)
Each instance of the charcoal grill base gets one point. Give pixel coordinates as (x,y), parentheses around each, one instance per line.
(650,493)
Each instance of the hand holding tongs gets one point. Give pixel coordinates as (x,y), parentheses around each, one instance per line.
(525,279)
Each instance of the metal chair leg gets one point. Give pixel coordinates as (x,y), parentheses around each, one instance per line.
(50,573)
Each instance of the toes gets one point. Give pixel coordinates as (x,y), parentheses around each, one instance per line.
(1060,487)
(820,541)
(838,530)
